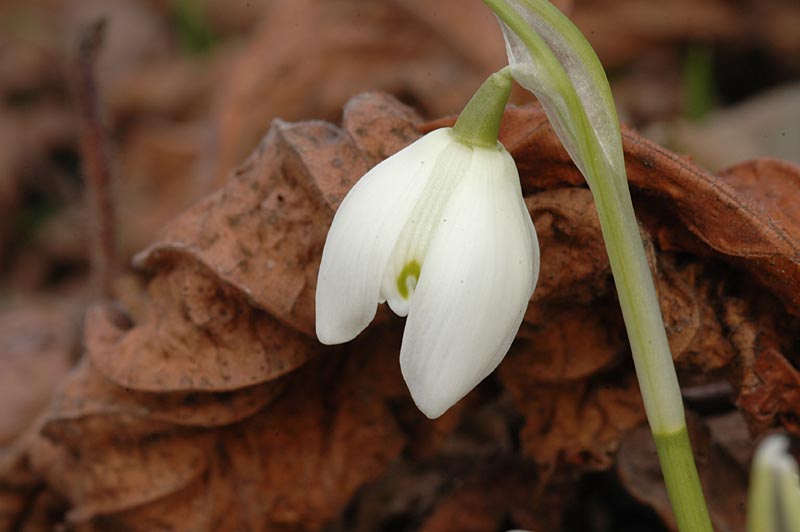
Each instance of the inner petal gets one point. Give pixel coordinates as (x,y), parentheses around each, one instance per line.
(407,280)
(408,257)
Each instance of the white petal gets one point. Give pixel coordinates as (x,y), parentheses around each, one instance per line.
(479,274)
(363,235)
(408,257)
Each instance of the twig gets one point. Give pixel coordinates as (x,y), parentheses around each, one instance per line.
(94,151)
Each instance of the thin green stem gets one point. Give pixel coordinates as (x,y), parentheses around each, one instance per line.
(683,484)
(652,358)
(651,353)
(596,150)
(479,122)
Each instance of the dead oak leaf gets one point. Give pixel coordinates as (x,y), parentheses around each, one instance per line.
(574,264)
(199,334)
(264,232)
(100,477)
(88,403)
(292,466)
(577,423)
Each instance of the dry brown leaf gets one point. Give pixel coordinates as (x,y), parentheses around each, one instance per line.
(292,466)
(102,476)
(264,232)
(577,423)
(89,403)
(200,335)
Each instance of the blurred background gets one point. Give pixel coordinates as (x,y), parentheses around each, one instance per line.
(187,88)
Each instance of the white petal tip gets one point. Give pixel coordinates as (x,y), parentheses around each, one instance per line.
(431,399)
(331,334)
(432,408)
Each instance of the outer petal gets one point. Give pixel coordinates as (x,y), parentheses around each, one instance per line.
(363,235)
(479,274)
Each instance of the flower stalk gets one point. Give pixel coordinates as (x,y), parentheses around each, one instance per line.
(550,57)
(479,122)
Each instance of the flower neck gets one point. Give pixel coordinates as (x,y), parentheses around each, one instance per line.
(479,122)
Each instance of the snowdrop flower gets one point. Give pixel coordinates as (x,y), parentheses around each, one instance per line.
(440,232)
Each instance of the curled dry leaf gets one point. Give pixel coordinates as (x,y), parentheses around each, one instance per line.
(261,232)
(88,398)
(102,476)
(292,466)
(200,335)
(264,232)
(577,423)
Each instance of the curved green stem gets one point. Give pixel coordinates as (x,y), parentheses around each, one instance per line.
(595,146)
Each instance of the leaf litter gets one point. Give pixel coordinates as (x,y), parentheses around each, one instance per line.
(205,403)
(218,401)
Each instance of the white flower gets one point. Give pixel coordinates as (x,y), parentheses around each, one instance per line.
(441,233)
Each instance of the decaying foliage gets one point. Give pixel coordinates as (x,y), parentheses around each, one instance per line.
(201,400)
(209,404)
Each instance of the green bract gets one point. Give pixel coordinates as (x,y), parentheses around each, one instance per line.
(550,57)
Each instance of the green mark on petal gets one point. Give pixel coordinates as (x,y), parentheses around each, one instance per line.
(411,269)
